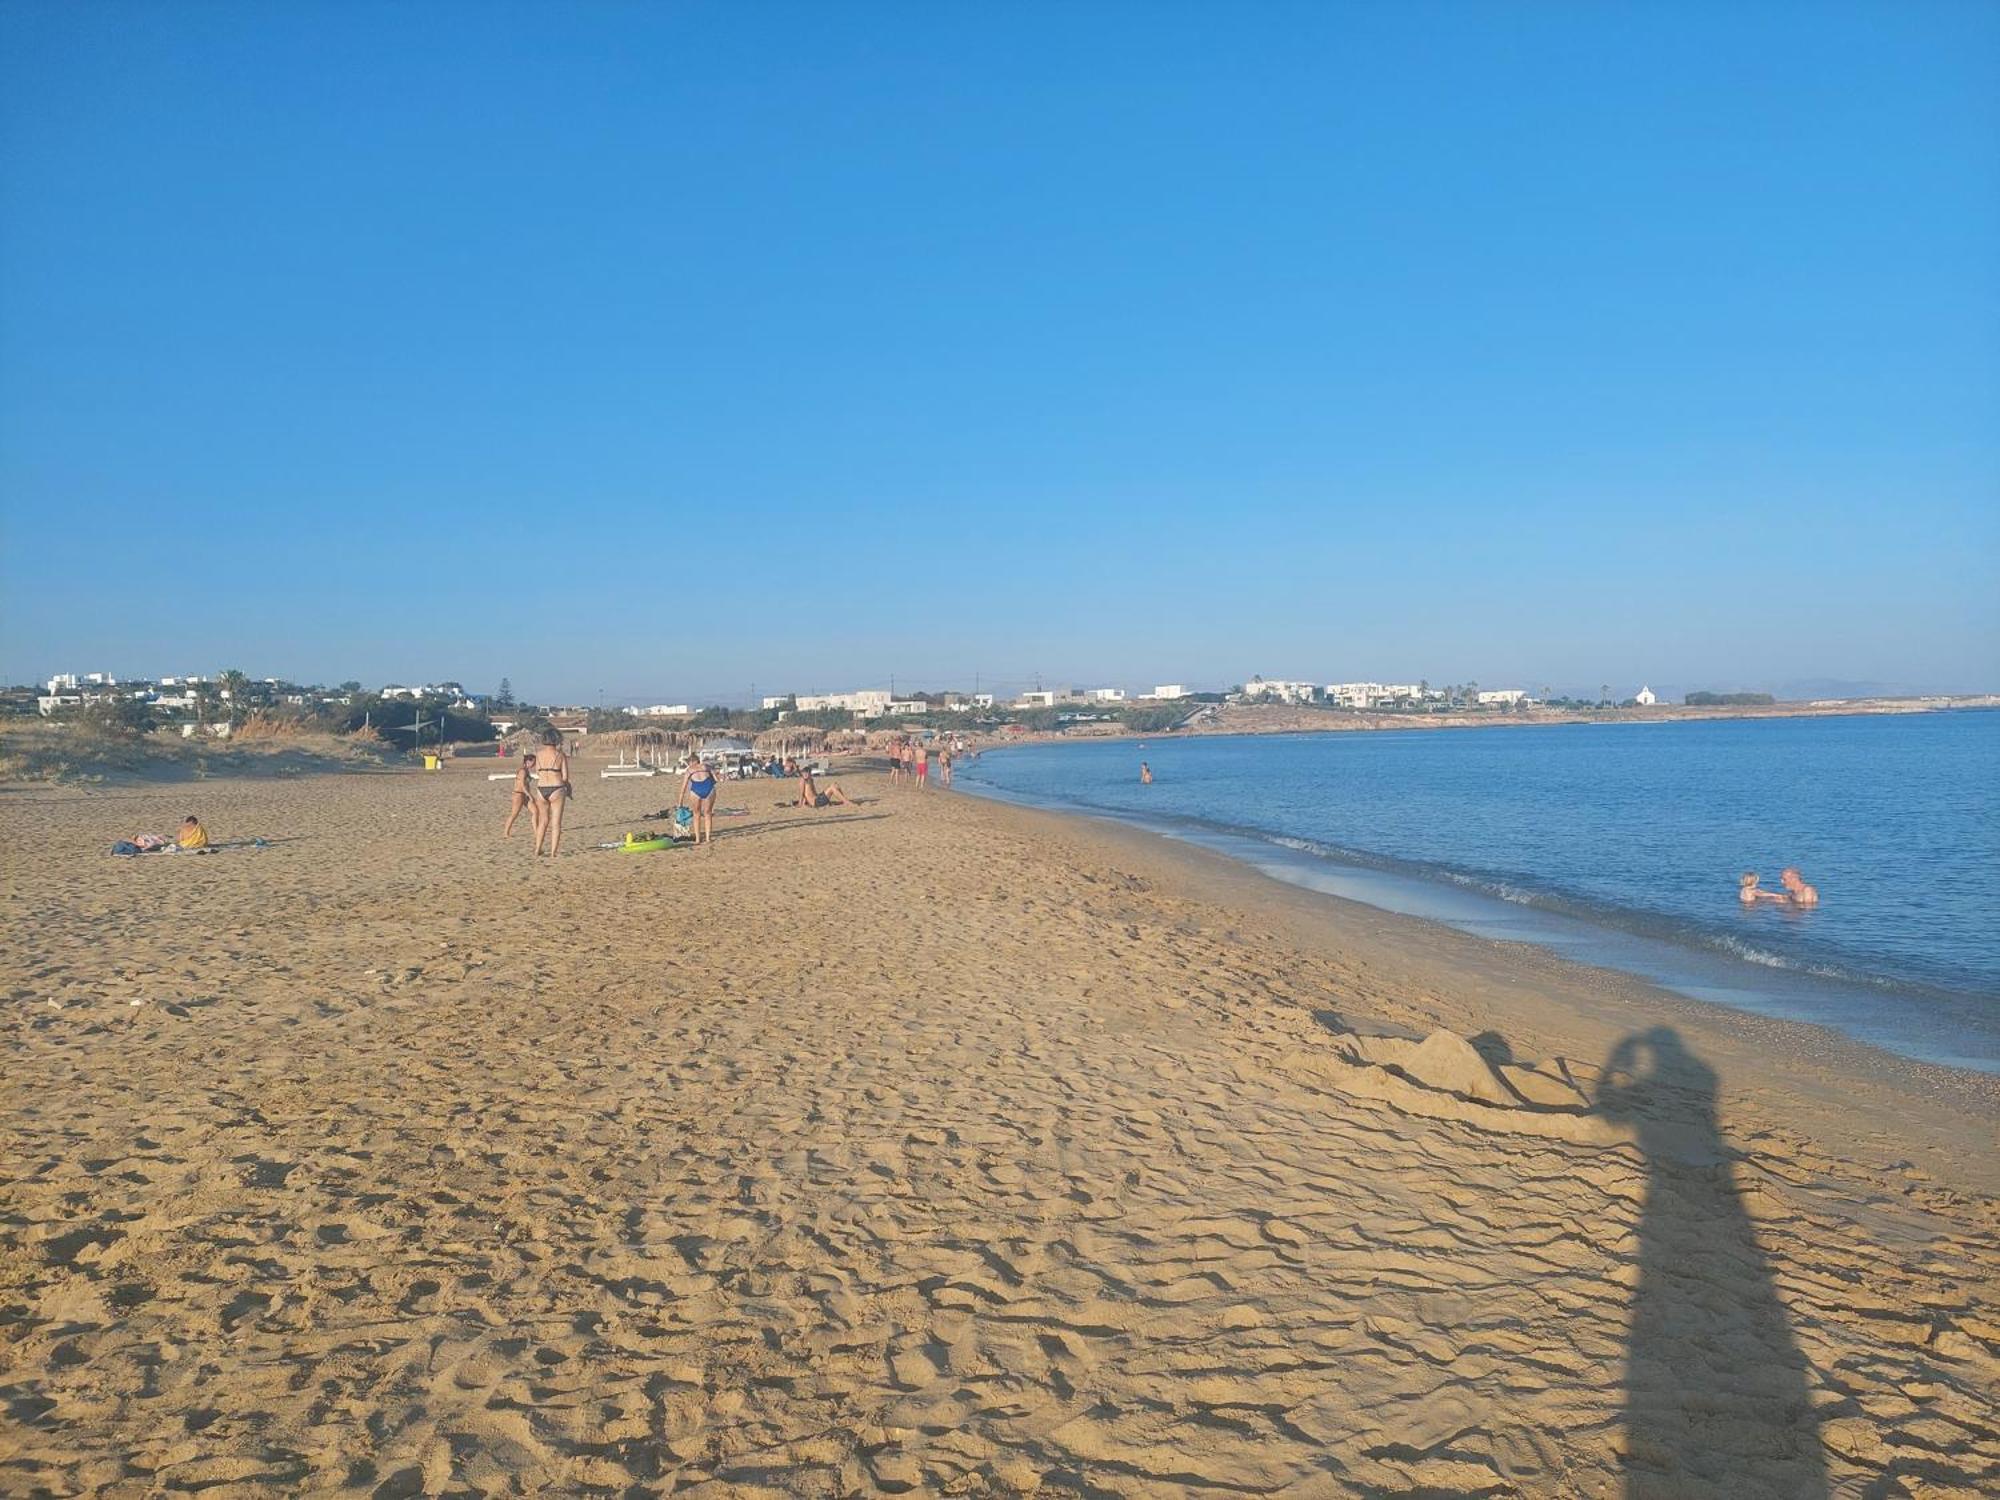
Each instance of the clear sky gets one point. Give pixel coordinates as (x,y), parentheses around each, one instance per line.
(663,350)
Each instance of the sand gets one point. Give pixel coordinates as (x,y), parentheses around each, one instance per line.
(925,1146)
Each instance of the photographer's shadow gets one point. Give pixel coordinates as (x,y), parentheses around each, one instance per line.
(1715,1386)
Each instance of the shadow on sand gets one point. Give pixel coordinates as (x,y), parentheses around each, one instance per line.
(1715,1385)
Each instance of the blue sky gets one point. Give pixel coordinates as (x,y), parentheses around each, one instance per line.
(663,351)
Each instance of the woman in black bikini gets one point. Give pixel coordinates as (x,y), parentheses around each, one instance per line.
(699,783)
(553,787)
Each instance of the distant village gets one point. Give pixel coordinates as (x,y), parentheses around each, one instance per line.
(214,704)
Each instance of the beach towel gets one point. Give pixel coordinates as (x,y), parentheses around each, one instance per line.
(151,843)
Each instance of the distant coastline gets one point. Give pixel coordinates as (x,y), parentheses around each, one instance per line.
(1273,718)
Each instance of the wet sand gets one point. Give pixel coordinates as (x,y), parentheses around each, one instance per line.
(928,1145)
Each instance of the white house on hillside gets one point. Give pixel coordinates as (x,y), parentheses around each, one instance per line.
(1644,697)
(1105,695)
(871,703)
(1283,692)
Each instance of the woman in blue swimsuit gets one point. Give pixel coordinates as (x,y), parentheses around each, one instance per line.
(699,783)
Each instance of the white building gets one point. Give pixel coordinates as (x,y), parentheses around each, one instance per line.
(904,708)
(778,700)
(1506,696)
(981,700)
(871,703)
(1645,697)
(1282,692)
(664,711)
(1371,694)
(1166,692)
(1105,695)
(1036,700)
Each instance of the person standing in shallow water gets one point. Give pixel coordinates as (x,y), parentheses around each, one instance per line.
(1145,774)
(1717,1403)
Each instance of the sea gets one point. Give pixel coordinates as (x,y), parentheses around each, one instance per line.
(1619,844)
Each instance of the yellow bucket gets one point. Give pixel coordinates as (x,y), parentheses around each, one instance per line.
(430,762)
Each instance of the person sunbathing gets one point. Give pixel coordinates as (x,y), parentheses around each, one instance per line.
(811,796)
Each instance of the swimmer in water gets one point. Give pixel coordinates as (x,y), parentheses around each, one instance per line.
(1145,774)
(1796,889)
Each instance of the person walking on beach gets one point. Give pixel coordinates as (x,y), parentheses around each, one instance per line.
(896,748)
(523,796)
(944,765)
(553,787)
(698,782)
(922,758)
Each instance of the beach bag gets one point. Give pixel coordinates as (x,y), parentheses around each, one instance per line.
(683,816)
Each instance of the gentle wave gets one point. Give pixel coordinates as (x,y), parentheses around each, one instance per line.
(1569,904)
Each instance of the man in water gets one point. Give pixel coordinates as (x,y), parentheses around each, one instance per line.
(1796,888)
(1145,774)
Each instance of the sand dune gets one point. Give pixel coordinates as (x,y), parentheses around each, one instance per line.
(925,1146)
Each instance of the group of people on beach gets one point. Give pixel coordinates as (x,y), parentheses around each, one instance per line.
(1795,893)
(910,758)
(542,787)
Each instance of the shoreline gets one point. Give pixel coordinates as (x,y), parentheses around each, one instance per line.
(931,1144)
(1552,1000)
(1848,1006)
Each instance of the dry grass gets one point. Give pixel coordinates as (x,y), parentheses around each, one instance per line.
(40,751)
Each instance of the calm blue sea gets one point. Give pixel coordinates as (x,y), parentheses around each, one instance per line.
(1619,844)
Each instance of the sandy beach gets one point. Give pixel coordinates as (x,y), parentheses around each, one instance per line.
(924,1146)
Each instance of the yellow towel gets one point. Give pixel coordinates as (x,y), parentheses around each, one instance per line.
(194,838)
